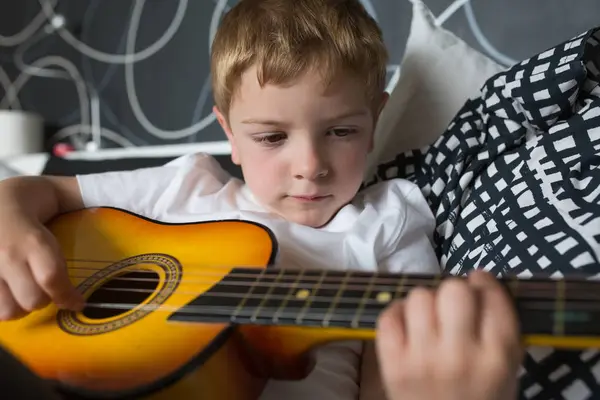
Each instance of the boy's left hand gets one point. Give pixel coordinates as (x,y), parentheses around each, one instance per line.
(459,342)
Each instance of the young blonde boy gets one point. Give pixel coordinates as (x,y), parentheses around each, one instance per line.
(298,87)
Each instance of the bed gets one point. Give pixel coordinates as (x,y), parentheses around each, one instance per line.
(509,160)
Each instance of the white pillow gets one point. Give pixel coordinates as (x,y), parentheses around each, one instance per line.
(6,171)
(439,73)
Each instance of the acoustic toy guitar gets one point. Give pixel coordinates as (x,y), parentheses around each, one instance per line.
(197,311)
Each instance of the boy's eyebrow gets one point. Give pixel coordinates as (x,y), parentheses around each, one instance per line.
(272,122)
(352,113)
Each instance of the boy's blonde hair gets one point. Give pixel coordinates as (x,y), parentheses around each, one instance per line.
(285,38)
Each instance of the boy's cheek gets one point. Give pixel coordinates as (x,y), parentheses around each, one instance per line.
(263,179)
(355,161)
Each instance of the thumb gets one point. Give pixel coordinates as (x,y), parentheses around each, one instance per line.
(49,269)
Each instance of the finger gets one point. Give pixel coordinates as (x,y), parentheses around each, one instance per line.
(9,309)
(390,339)
(24,288)
(421,320)
(390,325)
(50,272)
(499,320)
(457,311)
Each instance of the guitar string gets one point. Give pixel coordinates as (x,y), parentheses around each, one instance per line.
(367,316)
(347,274)
(531,305)
(229,313)
(524,290)
(376,289)
(312,297)
(273,271)
(399,292)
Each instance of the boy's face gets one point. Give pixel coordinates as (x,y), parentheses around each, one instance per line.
(302,150)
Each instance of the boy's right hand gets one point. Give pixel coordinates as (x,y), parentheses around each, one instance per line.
(32,269)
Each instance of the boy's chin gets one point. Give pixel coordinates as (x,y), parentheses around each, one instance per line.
(310,218)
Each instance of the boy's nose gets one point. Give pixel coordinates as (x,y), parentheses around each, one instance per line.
(310,164)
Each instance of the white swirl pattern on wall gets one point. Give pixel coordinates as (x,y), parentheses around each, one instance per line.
(93,119)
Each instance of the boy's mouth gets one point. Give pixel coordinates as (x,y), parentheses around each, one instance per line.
(310,197)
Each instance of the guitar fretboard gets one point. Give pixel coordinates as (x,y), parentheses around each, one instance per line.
(352,299)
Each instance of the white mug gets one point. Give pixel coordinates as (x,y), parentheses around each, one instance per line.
(21,132)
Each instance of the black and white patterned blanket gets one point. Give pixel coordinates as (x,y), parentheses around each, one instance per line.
(514,183)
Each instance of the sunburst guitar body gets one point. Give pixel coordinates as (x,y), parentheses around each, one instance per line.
(199,311)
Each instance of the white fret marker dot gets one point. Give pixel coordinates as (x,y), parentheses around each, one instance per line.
(302,294)
(384,297)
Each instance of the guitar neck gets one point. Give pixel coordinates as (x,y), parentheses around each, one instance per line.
(353,300)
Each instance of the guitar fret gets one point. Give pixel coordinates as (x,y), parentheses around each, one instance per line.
(398,294)
(310,298)
(266,296)
(288,297)
(357,307)
(336,299)
(361,305)
(376,299)
(247,297)
(297,298)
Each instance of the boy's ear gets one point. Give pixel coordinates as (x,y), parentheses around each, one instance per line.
(384,99)
(225,126)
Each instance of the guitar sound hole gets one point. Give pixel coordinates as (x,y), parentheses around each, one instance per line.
(121,294)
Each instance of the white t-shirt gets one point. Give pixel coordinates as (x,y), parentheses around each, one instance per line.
(387,227)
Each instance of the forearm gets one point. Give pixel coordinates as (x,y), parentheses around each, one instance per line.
(40,197)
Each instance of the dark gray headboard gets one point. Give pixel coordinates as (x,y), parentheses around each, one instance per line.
(172,86)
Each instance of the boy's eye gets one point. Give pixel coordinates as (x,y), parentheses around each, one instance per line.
(271,139)
(342,132)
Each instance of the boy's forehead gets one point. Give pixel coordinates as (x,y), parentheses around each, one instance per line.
(342,87)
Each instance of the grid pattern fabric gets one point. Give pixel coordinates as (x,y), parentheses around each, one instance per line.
(514,183)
